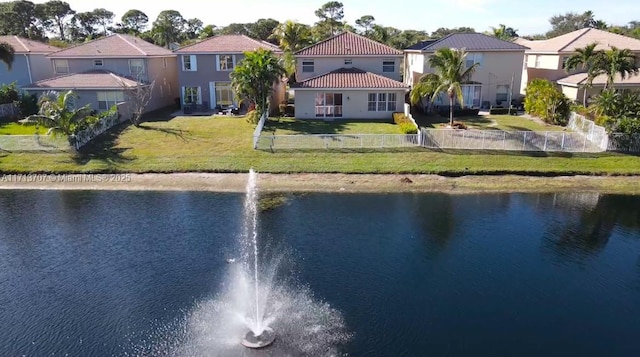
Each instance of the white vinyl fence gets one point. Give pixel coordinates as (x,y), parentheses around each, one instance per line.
(8,110)
(33,143)
(82,138)
(258,130)
(337,141)
(506,140)
(596,134)
(624,142)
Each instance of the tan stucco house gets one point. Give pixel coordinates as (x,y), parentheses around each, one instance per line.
(204,70)
(99,71)
(497,76)
(348,76)
(546,59)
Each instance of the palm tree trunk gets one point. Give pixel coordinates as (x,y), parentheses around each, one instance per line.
(450,110)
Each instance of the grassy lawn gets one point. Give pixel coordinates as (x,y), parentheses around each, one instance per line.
(19,129)
(489,122)
(224,144)
(290,126)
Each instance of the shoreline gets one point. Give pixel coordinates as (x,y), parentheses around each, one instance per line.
(314,182)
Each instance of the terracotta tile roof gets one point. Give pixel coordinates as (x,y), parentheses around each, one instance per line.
(348,44)
(94,79)
(580,78)
(579,39)
(114,46)
(228,44)
(350,78)
(470,42)
(24,45)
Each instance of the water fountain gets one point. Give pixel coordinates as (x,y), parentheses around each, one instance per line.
(260,309)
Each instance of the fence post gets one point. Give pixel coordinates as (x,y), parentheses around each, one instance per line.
(504,140)
(562,144)
(546,134)
(524,141)
(483,135)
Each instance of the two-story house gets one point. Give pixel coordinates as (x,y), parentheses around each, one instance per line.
(204,70)
(100,71)
(30,62)
(496,78)
(348,76)
(546,59)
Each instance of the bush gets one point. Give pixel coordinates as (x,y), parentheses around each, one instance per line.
(628,125)
(28,104)
(405,124)
(9,93)
(253,117)
(459,125)
(547,102)
(503,111)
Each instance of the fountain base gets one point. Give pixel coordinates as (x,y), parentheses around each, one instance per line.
(266,338)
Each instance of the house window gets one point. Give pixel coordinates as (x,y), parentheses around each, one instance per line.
(98,63)
(308,66)
(564,62)
(106,100)
(382,102)
(61,66)
(224,94)
(388,66)
(473,58)
(191,95)
(471,95)
(502,93)
(136,66)
(225,62)
(348,62)
(328,105)
(189,63)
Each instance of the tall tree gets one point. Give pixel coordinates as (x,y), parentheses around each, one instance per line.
(58,11)
(104,18)
(262,29)
(365,24)
(134,21)
(82,26)
(330,17)
(443,31)
(584,60)
(193,27)
(617,62)
(291,37)
(6,54)
(504,33)
(451,72)
(254,77)
(571,21)
(17,18)
(208,31)
(235,29)
(168,28)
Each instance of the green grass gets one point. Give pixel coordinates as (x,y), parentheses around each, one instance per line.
(489,122)
(224,144)
(19,129)
(290,126)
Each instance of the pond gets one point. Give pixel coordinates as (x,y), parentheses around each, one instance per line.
(121,273)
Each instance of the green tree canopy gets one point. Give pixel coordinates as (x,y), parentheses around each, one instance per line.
(7,54)
(133,21)
(330,17)
(168,28)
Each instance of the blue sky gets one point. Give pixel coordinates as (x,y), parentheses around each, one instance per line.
(529,17)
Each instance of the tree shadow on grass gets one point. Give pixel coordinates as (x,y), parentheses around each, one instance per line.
(103,148)
(183,135)
(306,126)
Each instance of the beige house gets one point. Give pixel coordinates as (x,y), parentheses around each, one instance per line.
(348,76)
(496,79)
(546,59)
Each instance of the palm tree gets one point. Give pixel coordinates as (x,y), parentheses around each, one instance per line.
(585,59)
(617,61)
(503,32)
(291,37)
(254,77)
(57,113)
(451,72)
(6,54)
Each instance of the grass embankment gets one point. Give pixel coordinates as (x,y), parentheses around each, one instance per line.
(224,144)
(489,122)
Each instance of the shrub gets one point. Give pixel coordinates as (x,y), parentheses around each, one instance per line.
(28,104)
(459,125)
(9,93)
(252,117)
(628,125)
(399,117)
(404,123)
(547,102)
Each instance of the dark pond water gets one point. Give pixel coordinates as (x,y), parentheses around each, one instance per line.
(100,273)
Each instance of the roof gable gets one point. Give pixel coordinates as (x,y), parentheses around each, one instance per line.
(24,45)
(228,44)
(348,44)
(471,42)
(114,46)
(350,78)
(580,39)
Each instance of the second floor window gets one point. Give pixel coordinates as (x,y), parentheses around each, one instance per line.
(61,66)
(189,63)
(225,62)
(98,63)
(473,58)
(348,62)
(388,66)
(308,66)
(136,67)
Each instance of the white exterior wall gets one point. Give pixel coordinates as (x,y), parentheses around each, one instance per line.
(324,65)
(570,92)
(544,61)
(354,104)
(414,67)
